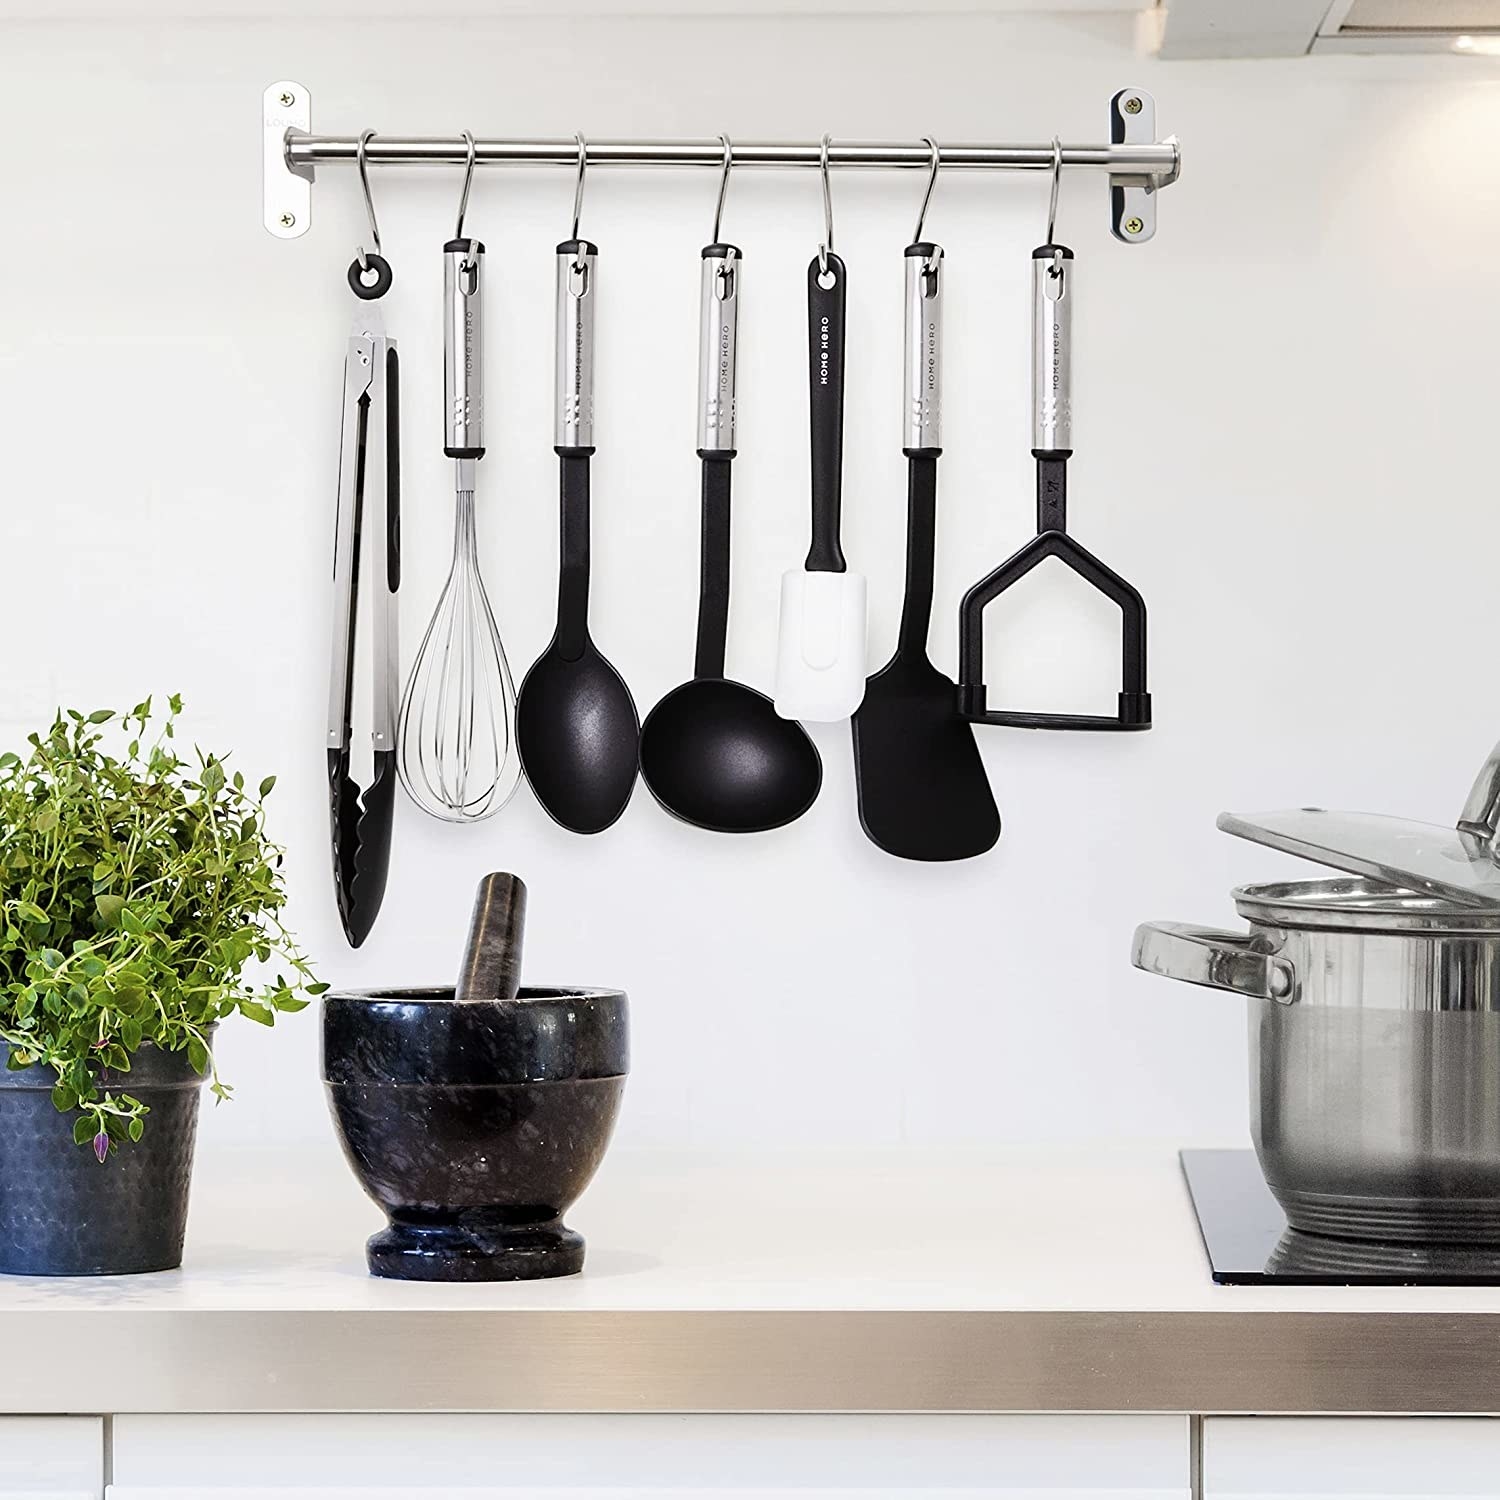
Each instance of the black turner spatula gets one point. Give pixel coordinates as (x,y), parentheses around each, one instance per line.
(923,792)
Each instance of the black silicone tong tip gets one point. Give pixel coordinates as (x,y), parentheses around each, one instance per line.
(361,823)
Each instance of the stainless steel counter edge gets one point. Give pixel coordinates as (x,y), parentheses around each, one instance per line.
(752,1361)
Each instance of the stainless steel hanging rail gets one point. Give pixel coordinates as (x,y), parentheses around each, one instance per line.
(1137,163)
(1159,160)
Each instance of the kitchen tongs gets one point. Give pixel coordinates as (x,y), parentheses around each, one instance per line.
(369,510)
(1052,273)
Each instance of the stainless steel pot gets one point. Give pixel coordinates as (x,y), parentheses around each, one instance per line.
(1374,1052)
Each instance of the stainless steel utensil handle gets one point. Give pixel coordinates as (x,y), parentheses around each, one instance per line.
(463,349)
(718,335)
(1220,960)
(573,427)
(922,432)
(1052,272)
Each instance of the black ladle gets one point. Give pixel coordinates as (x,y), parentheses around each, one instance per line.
(714,752)
(576,724)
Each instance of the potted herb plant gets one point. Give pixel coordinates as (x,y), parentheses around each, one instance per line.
(137,885)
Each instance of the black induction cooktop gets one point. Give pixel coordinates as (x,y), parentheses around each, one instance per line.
(1250,1244)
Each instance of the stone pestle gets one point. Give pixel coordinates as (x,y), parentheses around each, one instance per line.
(491,968)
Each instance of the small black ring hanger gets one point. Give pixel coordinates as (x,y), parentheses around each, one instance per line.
(826,248)
(364,263)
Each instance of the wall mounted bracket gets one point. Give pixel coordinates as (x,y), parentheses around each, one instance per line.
(287,198)
(1132,196)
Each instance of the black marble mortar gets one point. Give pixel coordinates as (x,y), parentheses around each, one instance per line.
(475,1124)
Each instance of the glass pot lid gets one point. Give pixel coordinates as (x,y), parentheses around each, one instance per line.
(1459,865)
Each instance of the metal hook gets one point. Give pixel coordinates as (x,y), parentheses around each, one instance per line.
(826,248)
(365,137)
(723,185)
(583,162)
(463,202)
(937,161)
(1056,185)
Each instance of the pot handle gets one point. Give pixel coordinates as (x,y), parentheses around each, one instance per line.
(1221,960)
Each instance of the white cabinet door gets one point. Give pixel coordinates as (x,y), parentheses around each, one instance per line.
(51,1458)
(649,1457)
(1351,1458)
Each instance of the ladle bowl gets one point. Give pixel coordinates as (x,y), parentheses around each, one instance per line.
(716,754)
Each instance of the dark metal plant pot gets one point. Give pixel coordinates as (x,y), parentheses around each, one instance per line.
(475,1125)
(65,1213)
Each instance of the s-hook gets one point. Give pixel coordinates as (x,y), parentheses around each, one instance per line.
(463,201)
(933,257)
(579,269)
(720,289)
(723,185)
(363,264)
(826,248)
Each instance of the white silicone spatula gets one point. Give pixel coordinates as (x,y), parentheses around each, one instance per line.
(820,666)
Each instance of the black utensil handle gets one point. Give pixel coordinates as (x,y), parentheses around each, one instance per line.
(825,364)
(713,576)
(1051,494)
(921,541)
(573,571)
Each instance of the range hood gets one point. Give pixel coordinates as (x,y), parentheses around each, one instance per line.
(1295,28)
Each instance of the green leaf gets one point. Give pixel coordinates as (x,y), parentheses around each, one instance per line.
(45,820)
(253,1011)
(137,1128)
(291,1003)
(9,760)
(198,1056)
(83,1130)
(51,959)
(131,1034)
(109,908)
(64,1099)
(265,787)
(101,716)
(175,703)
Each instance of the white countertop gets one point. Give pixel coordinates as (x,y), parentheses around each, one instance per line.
(1012,1280)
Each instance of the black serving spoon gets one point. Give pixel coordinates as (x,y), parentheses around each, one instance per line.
(576,724)
(714,752)
(923,792)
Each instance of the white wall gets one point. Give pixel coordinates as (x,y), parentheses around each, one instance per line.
(1285,426)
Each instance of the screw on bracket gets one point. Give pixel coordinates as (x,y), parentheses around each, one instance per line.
(1133,226)
(287,220)
(286,99)
(1132,106)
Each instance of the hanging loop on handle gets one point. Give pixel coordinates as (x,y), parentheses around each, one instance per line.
(826,248)
(372,263)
